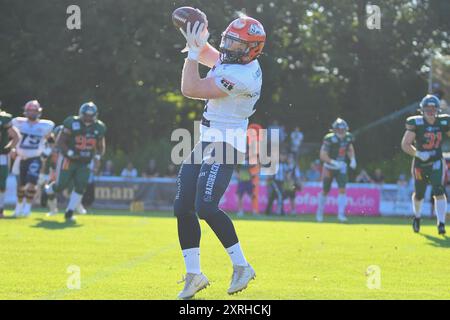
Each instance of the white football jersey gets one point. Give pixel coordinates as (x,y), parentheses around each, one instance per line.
(33,136)
(228,116)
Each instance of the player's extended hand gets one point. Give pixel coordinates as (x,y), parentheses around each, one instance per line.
(196,38)
(423,155)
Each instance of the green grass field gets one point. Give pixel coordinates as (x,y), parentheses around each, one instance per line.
(124,256)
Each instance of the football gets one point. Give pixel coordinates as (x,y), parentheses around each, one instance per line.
(183,15)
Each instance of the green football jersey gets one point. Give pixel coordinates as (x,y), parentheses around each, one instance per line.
(83,139)
(5,124)
(336,147)
(429,136)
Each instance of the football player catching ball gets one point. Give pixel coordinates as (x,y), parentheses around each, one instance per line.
(230,90)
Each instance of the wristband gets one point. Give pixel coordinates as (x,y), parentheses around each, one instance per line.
(193,55)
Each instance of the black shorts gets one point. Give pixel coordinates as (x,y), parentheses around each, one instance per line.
(29,171)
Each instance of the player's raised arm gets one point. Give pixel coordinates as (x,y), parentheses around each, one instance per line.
(192,85)
(209,56)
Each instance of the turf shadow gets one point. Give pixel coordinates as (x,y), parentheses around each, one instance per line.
(55,225)
(440,242)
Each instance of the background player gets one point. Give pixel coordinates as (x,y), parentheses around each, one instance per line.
(337,146)
(423,141)
(9,137)
(231,89)
(28,154)
(81,140)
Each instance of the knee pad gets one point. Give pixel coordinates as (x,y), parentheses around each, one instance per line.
(181,209)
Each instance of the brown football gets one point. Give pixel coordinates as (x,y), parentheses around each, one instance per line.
(183,15)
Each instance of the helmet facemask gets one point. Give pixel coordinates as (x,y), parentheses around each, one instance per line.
(32,114)
(430,111)
(233,50)
(88,116)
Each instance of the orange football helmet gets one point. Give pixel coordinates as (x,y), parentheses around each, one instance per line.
(243,41)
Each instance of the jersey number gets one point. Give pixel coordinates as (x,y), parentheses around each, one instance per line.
(30,141)
(434,140)
(82,143)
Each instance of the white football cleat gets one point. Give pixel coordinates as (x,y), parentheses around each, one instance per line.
(80,209)
(242,275)
(193,284)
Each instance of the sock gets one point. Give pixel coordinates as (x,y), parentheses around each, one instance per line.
(321,203)
(236,255)
(417,206)
(342,202)
(440,207)
(192,260)
(74,201)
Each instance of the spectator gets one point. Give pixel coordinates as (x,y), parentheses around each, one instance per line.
(363,177)
(245,185)
(129,172)
(108,170)
(313,173)
(171,171)
(296,142)
(276,186)
(378,176)
(150,171)
(292,183)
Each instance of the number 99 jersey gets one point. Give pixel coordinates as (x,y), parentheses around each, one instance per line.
(83,139)
(33,136)
(429,136)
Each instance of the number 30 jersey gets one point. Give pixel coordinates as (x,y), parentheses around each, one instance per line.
(242,83)
(83,139)
(33,136)
(429,136)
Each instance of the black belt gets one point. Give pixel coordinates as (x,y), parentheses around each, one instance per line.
(206,122)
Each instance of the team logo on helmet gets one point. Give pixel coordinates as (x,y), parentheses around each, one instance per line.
(255,30)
